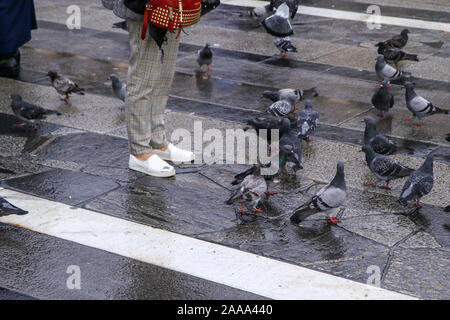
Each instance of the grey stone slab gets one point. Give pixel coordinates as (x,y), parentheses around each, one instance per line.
(421,239)
(187,204)
(385,229)
(435,221)
(421,272)
(62,185)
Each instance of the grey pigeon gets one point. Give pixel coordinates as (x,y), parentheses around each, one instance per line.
(292,95)
(281,108)
(419,106)
(384,168)
(284,45)
(121,25)
(386,72)
(250,191)
(64,86)
(398,41)
(290,145)
(204,57)
(7,209)
(330,196)
(419,183)
(383,99)
(307,121)
(378,142)
(119,88)
(278,24)
(254,169)
(292,4)
(28,112)
(394,55)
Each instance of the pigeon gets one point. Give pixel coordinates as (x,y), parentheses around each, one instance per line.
(121,25)
(419,183)
(2,170)
(292,4)
(330,196)
(250,191)
(269,123)
(278,24)
(419,106)
(398,41)
(448,137)
(290,146)
(281,108)
(241,176)
(378,142)
(383,99)
(284,45)
(386,72)
(7,209)
(394,55)
(289,94)
(64,86)
(28,112)
(204,57)
(384,168)
(119,88)
(307,121)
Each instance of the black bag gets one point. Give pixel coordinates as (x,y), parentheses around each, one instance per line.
(208,5)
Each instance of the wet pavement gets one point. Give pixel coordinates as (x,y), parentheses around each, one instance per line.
(80,158)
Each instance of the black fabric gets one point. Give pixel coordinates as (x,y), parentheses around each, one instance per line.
(137,6)
(208,5)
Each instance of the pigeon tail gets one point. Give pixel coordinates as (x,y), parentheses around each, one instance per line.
(302,213)
(412,57)
(271,95)
(402,201)
(236,195)
(6,171)
(441,111)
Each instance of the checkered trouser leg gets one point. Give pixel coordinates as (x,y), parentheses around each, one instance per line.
(148,85)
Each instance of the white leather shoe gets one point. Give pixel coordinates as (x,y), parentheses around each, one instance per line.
(175,154)
(153,166)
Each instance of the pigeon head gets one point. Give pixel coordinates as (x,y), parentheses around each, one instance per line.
(380,58)
(370,123)
(370,154)
(405,32)
(16,97)
(384,84)
(371,129)
(114,78)
(381,45)
(308,104)
(52,74)
(339,179)
(427,166)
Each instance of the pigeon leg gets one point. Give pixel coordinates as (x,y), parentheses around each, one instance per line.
(418,205)
(308,139)
(419,124)
(20,125)
(371,184)
(407,119)
(386,187)
(242,210)
(257,210)
(283,54)
(270,193)
(382,116)
(209,68)
(333,220)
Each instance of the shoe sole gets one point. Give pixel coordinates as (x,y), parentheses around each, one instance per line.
(163,157)
(155,174)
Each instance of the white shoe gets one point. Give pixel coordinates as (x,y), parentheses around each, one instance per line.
(153,166)
(175,154)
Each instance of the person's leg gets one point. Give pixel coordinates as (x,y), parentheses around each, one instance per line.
(143,91)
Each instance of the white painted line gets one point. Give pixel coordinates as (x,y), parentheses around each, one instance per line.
(238,269)
(355,16)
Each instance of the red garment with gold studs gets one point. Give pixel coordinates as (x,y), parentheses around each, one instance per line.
(171,14)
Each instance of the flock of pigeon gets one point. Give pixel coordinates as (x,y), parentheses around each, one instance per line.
(252,186)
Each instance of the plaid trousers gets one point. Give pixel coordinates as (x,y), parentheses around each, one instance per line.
(148,85)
